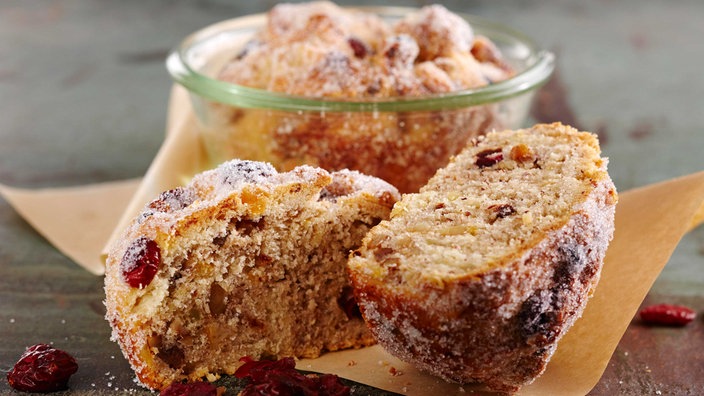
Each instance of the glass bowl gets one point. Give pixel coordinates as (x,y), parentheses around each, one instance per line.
(403,140)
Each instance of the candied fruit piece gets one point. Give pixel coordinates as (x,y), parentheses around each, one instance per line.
(140,262)
(42,368)
(521,153)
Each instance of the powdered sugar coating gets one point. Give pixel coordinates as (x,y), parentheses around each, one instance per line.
(438,32)
(232,175)
(356,181)
(320,50)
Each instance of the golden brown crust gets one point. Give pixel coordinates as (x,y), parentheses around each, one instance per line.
(498,324)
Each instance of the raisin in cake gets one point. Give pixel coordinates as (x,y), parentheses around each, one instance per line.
(320,50)
(476,277)
(244,261)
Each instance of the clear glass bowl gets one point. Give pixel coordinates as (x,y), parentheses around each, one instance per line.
(403,140)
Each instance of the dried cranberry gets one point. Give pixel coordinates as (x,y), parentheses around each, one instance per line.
(330,385)
(281,378)
(190,389)
(347,302)
(42,368)
(667,315)
(358,47)
(140,262)
(489,157)
(255,369)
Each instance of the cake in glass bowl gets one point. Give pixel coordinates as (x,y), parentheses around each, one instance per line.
(393,94)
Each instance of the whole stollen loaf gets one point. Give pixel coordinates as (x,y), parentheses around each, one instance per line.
(478,276)
(243,261)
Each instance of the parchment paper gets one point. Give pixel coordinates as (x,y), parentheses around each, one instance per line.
(650,221)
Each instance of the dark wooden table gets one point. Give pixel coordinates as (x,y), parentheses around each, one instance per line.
(83,94)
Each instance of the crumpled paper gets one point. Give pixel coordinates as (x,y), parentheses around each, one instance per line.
(650,221)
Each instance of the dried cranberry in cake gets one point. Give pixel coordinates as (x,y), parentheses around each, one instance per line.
(192,389)
(489,157)
(140,262)
(279,377)
(358,47)
(42,368)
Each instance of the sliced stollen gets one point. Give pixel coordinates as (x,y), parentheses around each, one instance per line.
(478,276)
(243,261)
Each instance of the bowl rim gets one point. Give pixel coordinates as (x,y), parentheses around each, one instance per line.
(534,76)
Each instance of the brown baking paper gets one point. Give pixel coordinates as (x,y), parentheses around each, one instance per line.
(650,221)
